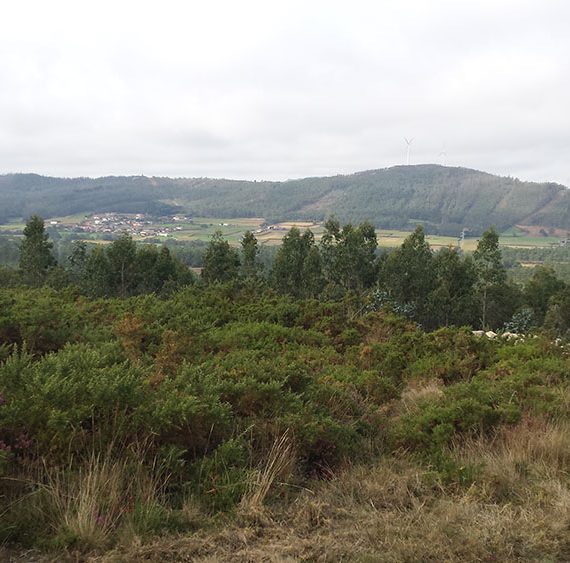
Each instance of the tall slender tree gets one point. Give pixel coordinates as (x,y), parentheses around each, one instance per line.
(78,261)
(294,262)
(36,258)
(250,266)
(452,301)
(221,261)
(349,255)
(540,289)
(491,274)
(408,274)
(97,278)
(121,255)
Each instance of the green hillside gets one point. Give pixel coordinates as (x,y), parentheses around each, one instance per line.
(445,199)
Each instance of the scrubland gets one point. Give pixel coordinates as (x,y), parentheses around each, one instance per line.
(225,423)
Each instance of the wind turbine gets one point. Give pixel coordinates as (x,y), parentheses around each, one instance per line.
(408,142)
(443,156)
(462,237)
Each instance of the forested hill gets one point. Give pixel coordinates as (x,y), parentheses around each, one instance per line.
(444,199)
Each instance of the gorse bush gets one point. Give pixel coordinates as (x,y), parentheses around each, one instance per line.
(528,378)
(189,395)
(188,375)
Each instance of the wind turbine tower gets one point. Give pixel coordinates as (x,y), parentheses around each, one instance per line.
(408,143)
(443,156)
(461,239)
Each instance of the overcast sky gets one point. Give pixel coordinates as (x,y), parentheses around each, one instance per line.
(276,90)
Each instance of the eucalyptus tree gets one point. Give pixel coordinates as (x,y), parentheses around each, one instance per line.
(540,290)
(36,257)
(221,261)
(122,258)
(297,267)
(408,274)
(349,255)
(491,275)
(250,265)
(453,300)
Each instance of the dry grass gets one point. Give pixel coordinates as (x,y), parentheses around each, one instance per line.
(279,464)
(397,512)
(535,441)
(517,509)
(521,464)
(89,504)
(420,392)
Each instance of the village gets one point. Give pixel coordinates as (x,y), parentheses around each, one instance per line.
(136,225)
(148,227)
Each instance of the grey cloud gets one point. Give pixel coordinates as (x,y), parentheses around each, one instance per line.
(275,90)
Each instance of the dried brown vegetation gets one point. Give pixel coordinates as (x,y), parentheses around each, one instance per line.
(516,509)
(394,512)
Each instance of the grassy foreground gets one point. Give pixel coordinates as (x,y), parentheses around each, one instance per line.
(222,424)
(516,510)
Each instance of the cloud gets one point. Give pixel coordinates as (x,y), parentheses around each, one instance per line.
(278,90)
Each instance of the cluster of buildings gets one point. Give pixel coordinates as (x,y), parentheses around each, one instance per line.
(268,228)
(137,225)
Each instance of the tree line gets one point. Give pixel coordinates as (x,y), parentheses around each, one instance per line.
(119,269)
(434,289)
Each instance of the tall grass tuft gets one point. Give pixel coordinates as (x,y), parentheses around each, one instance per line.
(279,463)
(86,505)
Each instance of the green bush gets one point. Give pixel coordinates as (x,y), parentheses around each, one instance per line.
(198,386)
(222,477)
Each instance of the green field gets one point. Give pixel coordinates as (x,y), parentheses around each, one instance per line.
(202,228)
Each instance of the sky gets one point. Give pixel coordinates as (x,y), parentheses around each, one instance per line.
(277,90)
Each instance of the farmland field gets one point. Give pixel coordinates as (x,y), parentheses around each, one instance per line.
(202,228)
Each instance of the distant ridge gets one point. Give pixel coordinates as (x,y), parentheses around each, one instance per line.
(445,199)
